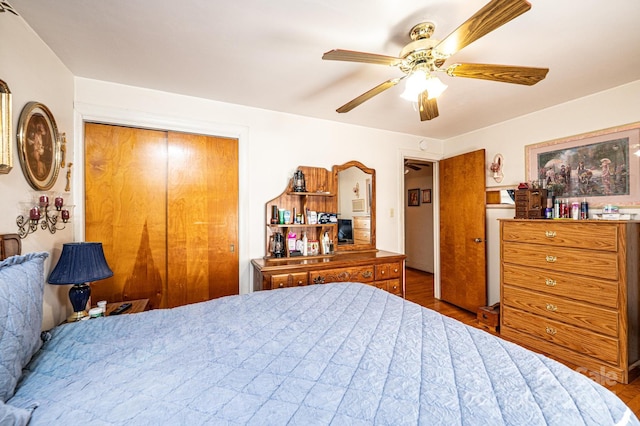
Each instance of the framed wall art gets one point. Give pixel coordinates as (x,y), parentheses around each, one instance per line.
(413,197)
(602,167)
(38,146)
(426,196)
(6,153)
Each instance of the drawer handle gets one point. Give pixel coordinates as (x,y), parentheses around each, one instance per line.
(318,280)
(550,282)
(551,307)
(382,272)
(550,234)
(367,274)
(281,285)
(551,259)
(300,282)
(551,331)
(395,270)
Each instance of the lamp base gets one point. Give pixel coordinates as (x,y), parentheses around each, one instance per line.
(79,296)
(77,316)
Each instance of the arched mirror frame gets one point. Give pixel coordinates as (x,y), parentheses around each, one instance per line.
(371,199)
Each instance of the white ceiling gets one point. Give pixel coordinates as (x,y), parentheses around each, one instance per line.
(267,54)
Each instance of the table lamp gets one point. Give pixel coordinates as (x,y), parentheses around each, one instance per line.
(80,264)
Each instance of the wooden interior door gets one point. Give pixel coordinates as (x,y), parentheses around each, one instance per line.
(125,205)
(164,205)
(202,218)
(463,279)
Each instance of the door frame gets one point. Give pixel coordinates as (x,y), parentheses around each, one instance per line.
(123,117)
(435,200)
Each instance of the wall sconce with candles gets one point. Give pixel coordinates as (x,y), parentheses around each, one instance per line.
(38,214)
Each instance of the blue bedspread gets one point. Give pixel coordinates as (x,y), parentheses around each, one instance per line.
(323,354)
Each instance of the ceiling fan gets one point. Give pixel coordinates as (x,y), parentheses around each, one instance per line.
(414,166)
(421,58)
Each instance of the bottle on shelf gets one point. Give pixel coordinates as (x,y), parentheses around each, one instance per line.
(584,209)
(304,244)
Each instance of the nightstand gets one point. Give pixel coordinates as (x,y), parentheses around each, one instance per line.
(137,306)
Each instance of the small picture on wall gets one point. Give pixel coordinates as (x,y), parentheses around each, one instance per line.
(426,196)
(414,197)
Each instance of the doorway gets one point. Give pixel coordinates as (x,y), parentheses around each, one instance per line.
(419,213)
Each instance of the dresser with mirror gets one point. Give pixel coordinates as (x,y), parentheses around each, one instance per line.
(323,231)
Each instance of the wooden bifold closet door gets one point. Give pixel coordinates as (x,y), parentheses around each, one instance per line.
(165,207)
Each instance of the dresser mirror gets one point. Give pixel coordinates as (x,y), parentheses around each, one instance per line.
(356,206)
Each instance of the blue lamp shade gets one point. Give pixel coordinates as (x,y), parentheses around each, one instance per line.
(80,264)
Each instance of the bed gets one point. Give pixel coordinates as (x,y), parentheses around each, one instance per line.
(322,354)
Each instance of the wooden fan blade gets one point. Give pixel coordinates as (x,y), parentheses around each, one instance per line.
(503,73)
(368,95)
(368,58)
(428,107)
(493,15)
(411,166)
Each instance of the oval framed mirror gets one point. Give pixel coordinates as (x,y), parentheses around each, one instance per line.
(356,207)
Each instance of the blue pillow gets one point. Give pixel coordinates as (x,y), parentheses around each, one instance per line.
(21,294)
(10,415)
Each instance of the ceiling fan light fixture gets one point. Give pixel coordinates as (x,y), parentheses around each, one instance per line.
(418,82)
(435,87)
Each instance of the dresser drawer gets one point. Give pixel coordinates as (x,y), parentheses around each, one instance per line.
(362,222)
(387,270)
(577,339)
(288,280)
(394,287)
(361,235)
(362,274)
(584,262)
(593,318)
(593,236)
(593,290)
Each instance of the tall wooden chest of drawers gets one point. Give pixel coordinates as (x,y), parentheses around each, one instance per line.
(569,289)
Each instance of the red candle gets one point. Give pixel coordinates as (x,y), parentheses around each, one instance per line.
(59,202)
(34,214)
(65,215)
(44,200)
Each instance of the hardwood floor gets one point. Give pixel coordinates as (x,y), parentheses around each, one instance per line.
(419,289)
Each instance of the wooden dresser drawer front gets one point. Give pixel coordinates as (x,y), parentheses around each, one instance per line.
(362,274)
(382,285)
(600,320)
(577,339)
(360,234)
(362,222)
(601,236)
(584,262)
(388,270)
(288,280)
(603,292)
(393,286)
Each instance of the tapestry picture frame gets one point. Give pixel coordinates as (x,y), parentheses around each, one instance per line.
(601,167)
(38,146)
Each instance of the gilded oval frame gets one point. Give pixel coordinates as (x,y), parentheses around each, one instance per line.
(38,146)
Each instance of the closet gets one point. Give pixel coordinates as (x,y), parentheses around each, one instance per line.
(165,207)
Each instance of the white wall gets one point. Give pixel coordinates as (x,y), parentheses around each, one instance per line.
(614,107)
(34,73)
(272,145)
